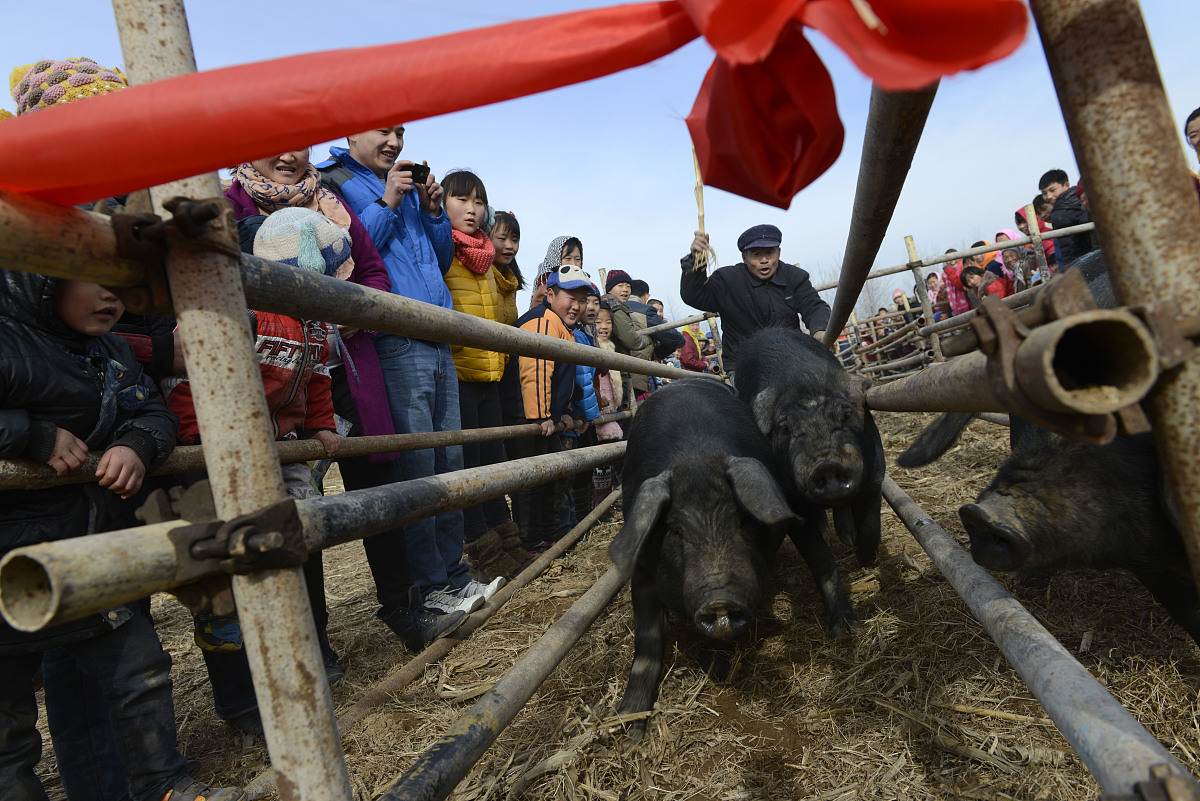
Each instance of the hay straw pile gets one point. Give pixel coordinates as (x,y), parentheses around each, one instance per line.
(918,704)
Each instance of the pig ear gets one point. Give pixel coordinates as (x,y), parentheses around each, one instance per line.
(652,498)
(757,491)
(764,409)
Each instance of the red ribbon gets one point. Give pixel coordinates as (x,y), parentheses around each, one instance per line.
(765,123)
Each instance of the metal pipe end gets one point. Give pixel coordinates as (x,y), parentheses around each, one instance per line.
(1095,362)
(28,595)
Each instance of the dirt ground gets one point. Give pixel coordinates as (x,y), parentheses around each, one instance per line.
(917,704)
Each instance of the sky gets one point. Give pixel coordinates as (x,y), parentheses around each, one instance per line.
(609,160)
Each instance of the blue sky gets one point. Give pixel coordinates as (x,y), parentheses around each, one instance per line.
(609,160)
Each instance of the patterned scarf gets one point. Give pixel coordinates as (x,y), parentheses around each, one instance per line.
(475,251)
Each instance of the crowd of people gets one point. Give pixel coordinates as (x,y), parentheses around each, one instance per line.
(82,377)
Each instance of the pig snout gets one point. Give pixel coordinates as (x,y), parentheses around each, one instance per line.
(723,618)
(831,481)
(995,544)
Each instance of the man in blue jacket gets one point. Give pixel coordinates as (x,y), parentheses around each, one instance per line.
(411,231)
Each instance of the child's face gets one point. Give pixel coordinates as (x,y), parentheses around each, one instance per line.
(622,291)
(87,308)
(592,309)
(1022,226)
(507,244)
(1053,190)
(465,212)
(972,280)
(658,307)
(932,285)
(567,303)
(604,324)
(573,256)
(1193,134)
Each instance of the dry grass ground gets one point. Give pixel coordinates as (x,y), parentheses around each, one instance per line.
(918,704)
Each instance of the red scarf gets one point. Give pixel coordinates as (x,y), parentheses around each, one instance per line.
(475,251)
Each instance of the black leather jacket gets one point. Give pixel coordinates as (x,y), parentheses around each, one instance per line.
(52,376)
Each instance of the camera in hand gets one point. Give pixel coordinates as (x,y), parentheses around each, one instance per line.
(420,173)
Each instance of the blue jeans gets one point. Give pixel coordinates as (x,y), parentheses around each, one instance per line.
(133,672)
(422,390)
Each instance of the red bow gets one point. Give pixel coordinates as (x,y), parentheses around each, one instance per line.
(765,123)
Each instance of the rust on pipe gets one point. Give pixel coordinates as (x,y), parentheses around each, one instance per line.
(1142,199)
(924,357)
(56,582)
(997,419)
(23,474)
(894,125)
(1093,363)
(286,290)
(263,784)
(892,337)
(1116,749)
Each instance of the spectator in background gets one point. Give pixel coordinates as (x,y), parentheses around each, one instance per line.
(1042,208)
(406,222)
(658,307)
(618,288)
(956,293)
(980,283)
(690,355)
(665,342)
(1191,130)
(937,295)
(1047,244)
(1067,210)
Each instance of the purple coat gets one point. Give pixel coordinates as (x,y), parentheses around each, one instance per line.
(366,379)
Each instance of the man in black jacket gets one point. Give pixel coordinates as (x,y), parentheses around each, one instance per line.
(760,292)
(1067,210)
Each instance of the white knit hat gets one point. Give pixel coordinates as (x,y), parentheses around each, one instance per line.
(303,238)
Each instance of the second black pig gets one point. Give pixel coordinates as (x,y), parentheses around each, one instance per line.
(1057,504)
(704,516)
(820,430)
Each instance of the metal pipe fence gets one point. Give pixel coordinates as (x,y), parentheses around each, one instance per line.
(1126,144)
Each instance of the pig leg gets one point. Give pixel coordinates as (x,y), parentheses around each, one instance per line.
(865,509)
(649,649)
(820,561)
(1178,595)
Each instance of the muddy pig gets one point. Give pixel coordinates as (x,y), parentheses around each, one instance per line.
(704,517)
(820,431)
(1057,504)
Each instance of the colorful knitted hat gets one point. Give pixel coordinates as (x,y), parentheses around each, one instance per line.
(303,238)
(48,83)
(616,277)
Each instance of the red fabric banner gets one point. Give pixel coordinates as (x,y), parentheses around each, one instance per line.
(765,123)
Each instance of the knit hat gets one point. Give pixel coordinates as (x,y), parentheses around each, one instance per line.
(48,83)
(594,290)
(303,238)
(616,277)
(568,276)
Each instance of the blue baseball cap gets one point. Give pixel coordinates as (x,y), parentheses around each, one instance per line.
(569,276)
(760,236)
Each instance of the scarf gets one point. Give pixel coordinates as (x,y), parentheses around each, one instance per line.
(475,251)
(552,260)
(271,196)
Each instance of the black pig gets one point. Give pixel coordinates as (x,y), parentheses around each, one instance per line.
(820,430)
(704,515)
(1057,504)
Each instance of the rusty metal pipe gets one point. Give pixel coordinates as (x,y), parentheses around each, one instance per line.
(1116,749)
(894,125)
(439,770)
(1140,194)
(206,290)
(892,337)
(1091,363)
(997,419)
(933,261)
(263,784)
(695,318)
(24,474)
(279,288)
(55,582)
(1022,298)
(924,357)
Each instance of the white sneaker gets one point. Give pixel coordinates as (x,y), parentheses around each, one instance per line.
(478,588)
(448,600)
